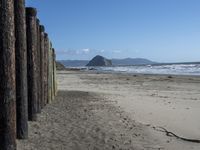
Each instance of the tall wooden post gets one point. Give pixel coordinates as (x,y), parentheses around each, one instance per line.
(50,74)
(32,63)
(21,69)
(52,89)
(42,29)
(7,76)
(54,72)
(38,68)
(46,57)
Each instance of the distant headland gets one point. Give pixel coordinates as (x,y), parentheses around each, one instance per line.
(102,61)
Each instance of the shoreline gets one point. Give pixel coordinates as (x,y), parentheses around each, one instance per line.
(128,73)
(148,74)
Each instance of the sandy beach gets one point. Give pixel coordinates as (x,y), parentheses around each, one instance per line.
(118,111)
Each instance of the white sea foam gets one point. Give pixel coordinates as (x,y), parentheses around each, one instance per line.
(175,69)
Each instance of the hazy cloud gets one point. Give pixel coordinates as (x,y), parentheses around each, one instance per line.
(117,51)
(84,51)
(67,52)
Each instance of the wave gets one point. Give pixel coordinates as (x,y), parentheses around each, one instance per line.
(174,69)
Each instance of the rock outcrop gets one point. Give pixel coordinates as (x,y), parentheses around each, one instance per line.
(99,61)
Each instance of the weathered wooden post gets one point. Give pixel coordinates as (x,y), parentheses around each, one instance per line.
(38,68)
(7,76)
(50,74)
(54,72)
(53,92)
(42,29)
(46,58)
(32,62)
(52,82)
(21,69)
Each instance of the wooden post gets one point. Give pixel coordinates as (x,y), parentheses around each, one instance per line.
(7,76)
(50,74)
(53,92)
(38,68)
(56,84)
(54,72)
(52,89)
(21,70)
(55,79)
(42,29)
(46,57)
(32,63)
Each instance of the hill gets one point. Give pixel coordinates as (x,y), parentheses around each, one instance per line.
(132,61)
(115,62)
(74,63)
(99,61)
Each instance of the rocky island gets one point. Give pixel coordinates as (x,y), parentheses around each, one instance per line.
(99,61)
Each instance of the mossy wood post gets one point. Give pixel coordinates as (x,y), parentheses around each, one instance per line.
(42,29)
(50,74)
(7,76)
(21,69)
(32,63)
(46,57)
(38,68)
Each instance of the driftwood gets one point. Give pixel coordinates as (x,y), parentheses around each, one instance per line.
(171,134)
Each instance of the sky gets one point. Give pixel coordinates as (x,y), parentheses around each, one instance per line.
(159,30)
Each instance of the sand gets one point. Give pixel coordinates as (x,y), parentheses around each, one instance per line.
(118,111)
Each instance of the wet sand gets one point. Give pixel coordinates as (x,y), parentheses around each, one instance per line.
(117,111)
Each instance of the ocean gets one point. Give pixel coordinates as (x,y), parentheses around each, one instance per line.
(169,69)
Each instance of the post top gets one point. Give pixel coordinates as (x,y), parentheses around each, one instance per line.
(31,11)
(38,21)
(45,35)
(42,28)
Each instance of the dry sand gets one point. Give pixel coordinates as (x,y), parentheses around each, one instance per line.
(118,111)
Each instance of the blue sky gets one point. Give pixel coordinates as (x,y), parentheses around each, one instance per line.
(160,30)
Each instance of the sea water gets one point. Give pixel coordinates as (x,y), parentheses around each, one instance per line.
(173,69)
